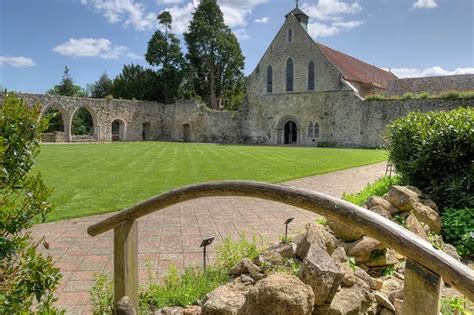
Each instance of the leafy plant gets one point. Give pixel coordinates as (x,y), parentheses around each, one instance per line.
(101,294)
(389,270)
(458,229)
(229,252)
(322,221)
(433,151)
(400,220)
(378,188)
(454,306)
(436,240)
(351,262)
(26,276)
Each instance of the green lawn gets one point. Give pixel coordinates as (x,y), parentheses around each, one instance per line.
(98,178)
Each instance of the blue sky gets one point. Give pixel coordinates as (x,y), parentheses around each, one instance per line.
(412,37)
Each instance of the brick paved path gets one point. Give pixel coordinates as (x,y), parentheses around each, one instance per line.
(174,234)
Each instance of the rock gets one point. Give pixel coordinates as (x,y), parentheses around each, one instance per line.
(415,190)
(364,276)
(354,300)
(378,284)
(382,300)
(381,211)
(451,251)
(339,254)
(268,259)
(226,299)
(430,203)
(125,307)
(245,266)
(247,279)
(428,216)
(396,295)
(380,258)
(385,311)
(348,277)
(320,272)
(415,226)
(402,198)
(362,248)
(391,285)
(192,310)
(316,234)
(398,304)
(280,293)
(376,201)
(345,232)
(285,250)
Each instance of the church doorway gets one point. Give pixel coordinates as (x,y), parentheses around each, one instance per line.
(186,133)
(291,132)
(146,131)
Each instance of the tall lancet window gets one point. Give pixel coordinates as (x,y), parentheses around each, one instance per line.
(269,79)
(289,75)
(290,35)
(311,76)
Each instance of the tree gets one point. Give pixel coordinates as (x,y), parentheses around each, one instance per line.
(214,55)
(164,52)
(135,82)
(27,277)
(102,88)
(67,86)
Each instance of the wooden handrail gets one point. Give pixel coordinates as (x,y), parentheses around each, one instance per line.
(371,224)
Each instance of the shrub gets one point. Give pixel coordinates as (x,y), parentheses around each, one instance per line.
(458,229)
(455,305)
(375,97)
(433,151)
(26,276)
(102,296)
(378,188)
(230,252)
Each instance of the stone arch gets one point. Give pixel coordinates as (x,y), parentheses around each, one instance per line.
(186,132)
(94,133)
(66,136)
(288,129)
(118,129)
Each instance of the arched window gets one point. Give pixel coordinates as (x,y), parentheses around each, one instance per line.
(269,79)
(316,130)
(290,35)
(311,76)
(310,130)
(289,75)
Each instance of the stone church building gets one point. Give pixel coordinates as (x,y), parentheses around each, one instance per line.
(300,93)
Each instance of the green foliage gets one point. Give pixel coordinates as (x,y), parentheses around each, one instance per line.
(436,240)
(82,123)
(322,221)
(230,252)
(433,151)
(389,270)
(101,293)
(67,86)
(375,97)
(453,95)
(27,277)
(55,120)
(215,57)
(454,306)
(135,82)
(400,220)
(458,229)
(378,188)
(351,261)
(102,88)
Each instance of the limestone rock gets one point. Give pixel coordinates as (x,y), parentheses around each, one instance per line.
(125,306)
(402,198)
(415,226)
(280,294)
(451,251)
(354,300)
(377,201)
(415,190)
(383,301)
(429,217)
(339,254)
(192,310)
(365,277)
(175,310)
(362,248)
(430,203)
(316,234)
(380,258)
(245,266)
(381,211)
(345,232)
(398,304)
(320,272)
(348,277)
(226,299)
(391,285)
(285,250)
(385,311)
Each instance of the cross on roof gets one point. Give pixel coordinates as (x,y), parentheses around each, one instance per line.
(297,2)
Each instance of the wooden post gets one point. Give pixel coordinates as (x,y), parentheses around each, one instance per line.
(422,290)
(126,262)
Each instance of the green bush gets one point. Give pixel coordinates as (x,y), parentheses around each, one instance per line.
(230,252)
(458,229)
(378,188)
(433,151)
(27,278)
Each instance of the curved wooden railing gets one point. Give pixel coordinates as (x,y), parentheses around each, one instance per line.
(425,265)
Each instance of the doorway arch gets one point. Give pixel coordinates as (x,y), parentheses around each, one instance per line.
(118,130)
(84,124)
(290,131)
(186,133)
(58,128)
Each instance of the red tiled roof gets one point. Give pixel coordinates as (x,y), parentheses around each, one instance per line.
(356,70)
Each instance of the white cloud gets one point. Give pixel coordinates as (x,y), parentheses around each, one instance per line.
(241,34)
(18,62)
(159,2)
(129,12)
(263,20)
(425,4)
(329,17)
(92,47)
(429,72)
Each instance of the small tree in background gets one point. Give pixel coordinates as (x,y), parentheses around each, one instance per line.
(26,276)
(135,82)
(102,88)
(67,86)
(214,55)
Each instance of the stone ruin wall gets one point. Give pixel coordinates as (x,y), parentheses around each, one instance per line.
(344,119)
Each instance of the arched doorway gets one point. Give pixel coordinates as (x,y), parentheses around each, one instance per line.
(146,131)
(56,130)
(186,133)
(118,130)
(291,132)
(83,125)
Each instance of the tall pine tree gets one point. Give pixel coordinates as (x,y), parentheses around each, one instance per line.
(67,87)
(215,57)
